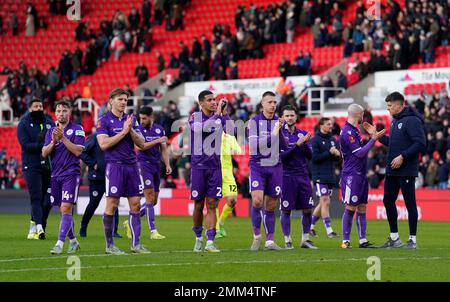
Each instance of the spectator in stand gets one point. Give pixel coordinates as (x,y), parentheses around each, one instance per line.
(173,63)
(160,61)
(146,13)
(159,11)
(134,18)
(30,26)
(141,72)
(341,80)
(178,13)
(80,31)
(14,24)
(31,10)
(117,46)
(444,171)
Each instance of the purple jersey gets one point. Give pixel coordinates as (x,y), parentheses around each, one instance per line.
(206,140)
(153,155)
(63,161)
(261,139)
(123,151)
(351,142)
(295,158)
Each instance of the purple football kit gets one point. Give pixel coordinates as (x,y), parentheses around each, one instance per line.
(123,178)
(354,184)
(266,169)
(148,160)
(65,165)
(206,175)
(296,190)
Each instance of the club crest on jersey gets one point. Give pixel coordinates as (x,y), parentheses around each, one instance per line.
(400,126)
(354,198)
(95,193)
(194,193)
(48,126)
(285,203)
(323,190)
(333,144)
(349,180)
(158,131)
(148,182)
(69,132)
(113,189)
(300,135)
(255,183)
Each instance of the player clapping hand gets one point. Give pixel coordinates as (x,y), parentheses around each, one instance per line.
(304,139)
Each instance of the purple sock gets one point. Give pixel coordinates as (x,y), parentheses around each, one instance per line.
(269,224)
(108,226)
(285,220)
(347,221)
(314,219)
(71,232)
(361,224)
(327,222)
(198,231)
(65,226)
(150,216)
(210,234)
(135,226)
(143,211)
(256,215)
(306,223)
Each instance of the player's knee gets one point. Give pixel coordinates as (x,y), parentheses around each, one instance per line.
(350,208)
(307,211)
(362,208)
(66,208)
(325,201)
(231,202)
(257,202)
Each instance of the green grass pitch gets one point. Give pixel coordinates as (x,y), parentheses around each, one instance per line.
(172,259)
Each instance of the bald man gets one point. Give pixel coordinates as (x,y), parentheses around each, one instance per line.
(354,183)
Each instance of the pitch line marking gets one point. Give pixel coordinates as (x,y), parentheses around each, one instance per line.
(130,254)
(215,263)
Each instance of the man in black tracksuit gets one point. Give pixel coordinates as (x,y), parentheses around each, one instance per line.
(36,170)
(406,141)
(94,158)
(325,155)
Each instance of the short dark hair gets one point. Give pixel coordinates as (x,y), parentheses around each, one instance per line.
(146,110)
(201,95)
(288,108)
(268,93)
(35,100)
(64,104)
(118,91)
(323,120)
(395,97)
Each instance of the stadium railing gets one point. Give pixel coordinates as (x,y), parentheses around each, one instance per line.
(316,96)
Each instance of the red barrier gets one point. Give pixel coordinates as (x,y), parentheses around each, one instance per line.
(432,205)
